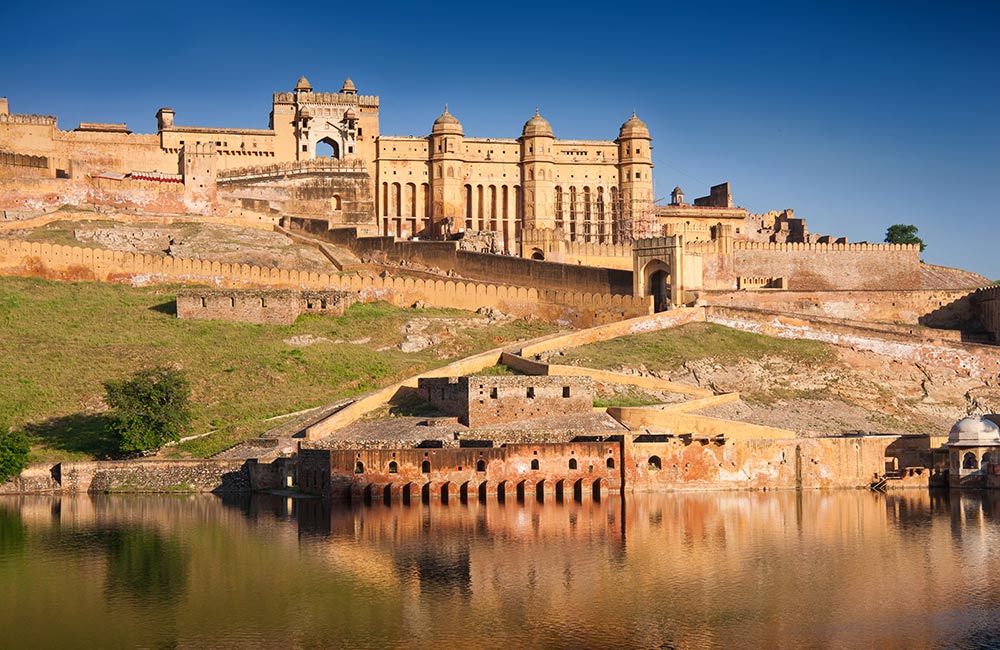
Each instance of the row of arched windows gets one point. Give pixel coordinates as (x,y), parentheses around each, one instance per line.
(404,200)
(425,467)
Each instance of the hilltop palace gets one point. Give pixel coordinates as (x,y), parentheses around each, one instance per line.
(554,216)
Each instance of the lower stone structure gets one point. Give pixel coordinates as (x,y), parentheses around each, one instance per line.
(583,468)
(484,400)
(278,307)
(134,476)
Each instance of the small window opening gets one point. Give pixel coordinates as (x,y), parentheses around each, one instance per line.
(572,463)
(534,463)
(393,467)
(359,467)
(530,392)
(481,466)
(425,467)
(493,393)
(565,391)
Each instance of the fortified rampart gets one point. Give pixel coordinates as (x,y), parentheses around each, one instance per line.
(502,269)
(987,307)
(573,308)
(827,267)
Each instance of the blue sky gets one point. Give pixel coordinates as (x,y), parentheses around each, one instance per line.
(858,115)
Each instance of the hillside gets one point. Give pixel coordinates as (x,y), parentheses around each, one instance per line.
(806,386)
(62,340)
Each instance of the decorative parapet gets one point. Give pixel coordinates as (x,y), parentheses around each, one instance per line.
(823,248)
(368,101)
(19,118)
(158,177)
(23,160)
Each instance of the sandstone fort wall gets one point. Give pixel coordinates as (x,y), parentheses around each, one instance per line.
(67,262)
(445,255)
(987,308)
(831,266)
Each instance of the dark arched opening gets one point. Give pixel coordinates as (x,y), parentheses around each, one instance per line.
(425,467)
(359,467)
(611,463)
(572,463)
(655,463)
(534,463)
(659,288)
(393,467)
(480,465)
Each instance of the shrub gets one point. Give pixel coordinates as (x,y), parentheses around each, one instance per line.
(14,448)
(149,409)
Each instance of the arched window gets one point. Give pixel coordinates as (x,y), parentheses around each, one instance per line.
(611,463)
(425,467)
(572,463)
(534,463)
(480,465)
(969,460)
(654,462)
(359,467)
(328,147)
(393,467)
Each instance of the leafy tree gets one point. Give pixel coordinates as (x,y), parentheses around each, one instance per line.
(150,409)
(14,448)
(902,233)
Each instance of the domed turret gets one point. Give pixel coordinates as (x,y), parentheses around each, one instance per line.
(537,126)
(303,85)
(447,123)
(349,88)
(974,431)
(633,128)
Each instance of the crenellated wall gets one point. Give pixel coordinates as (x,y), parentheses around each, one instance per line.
(831,266)
(486,267)
(987,308)
(572,308)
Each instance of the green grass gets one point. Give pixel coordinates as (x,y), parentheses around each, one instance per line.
(629,397)
(60,341)
(669,349)
(498,370)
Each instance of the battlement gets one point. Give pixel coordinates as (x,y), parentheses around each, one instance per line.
(217,131)
(368,101)
(823,248)
(18,118)
(158,177)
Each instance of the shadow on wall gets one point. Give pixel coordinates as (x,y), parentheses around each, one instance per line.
(77,433)
(168,308)
(411,402)
(234,482)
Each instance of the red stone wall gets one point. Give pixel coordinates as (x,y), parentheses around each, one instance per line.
(481,401)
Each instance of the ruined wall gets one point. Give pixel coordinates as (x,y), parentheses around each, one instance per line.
(485,400)
(266,307)
(35,194)
(445,255)
(831,266)
(930,308)
(571,308)
(987,309)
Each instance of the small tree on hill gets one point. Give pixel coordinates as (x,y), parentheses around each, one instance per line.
(14,448)
(150,409)
(902,233)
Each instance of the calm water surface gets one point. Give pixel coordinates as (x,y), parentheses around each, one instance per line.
(845,569)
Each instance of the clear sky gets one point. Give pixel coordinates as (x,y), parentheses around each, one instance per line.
(857,114)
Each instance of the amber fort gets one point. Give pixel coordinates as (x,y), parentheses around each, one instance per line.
(570,232)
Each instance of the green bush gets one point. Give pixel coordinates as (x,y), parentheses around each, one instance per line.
(14,448)
(150,409)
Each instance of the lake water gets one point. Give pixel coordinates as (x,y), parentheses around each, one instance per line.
(845,569)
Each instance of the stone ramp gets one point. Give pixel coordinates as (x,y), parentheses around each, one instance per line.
(282,439)
(934,277)
(342,258)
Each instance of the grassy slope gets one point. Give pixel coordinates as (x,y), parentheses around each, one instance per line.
(60,341)
(670,349)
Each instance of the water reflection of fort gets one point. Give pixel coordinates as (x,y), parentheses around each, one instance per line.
(787,569)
